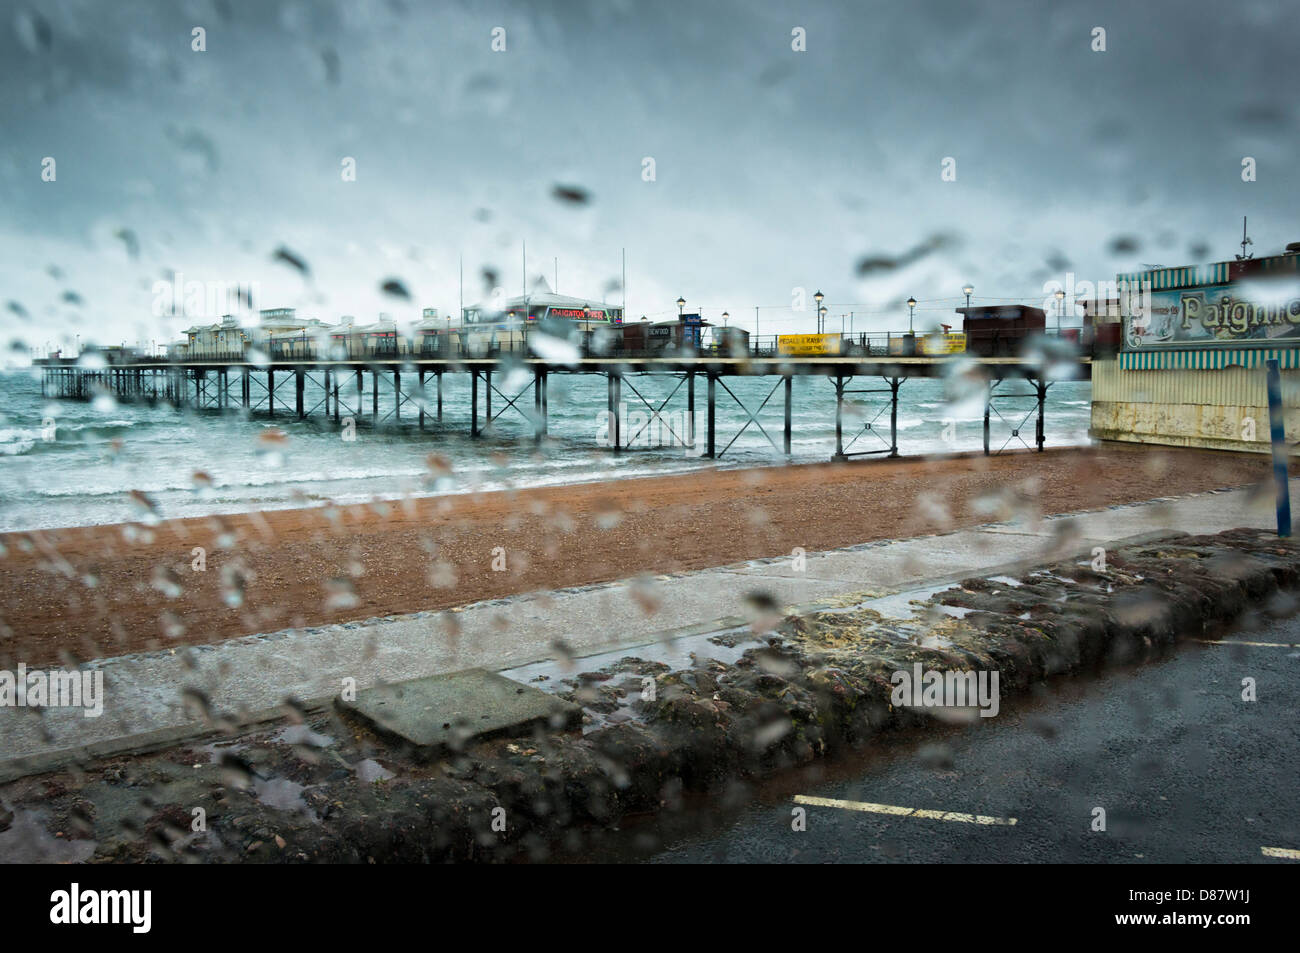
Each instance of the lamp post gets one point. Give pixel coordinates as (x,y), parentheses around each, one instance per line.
(821,319)
(681,306)
(968,290)
(911,313)
(1060,309)
(818,298)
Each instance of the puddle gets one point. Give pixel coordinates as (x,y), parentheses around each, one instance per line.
(26,841)
(282,794)
(899,605)
(302,735)
(957,612)
(369,771)
(906,616)
(555,676)
(675,653)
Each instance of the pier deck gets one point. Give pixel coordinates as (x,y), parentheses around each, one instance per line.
(205,383)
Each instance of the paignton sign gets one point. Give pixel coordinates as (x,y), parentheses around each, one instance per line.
(1236,314)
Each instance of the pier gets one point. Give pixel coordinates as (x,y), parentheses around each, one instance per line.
(336,390)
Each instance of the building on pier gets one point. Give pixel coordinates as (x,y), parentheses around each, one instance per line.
(1191,368)
(228,337)
(1000,330)
(541,306)
(504,324)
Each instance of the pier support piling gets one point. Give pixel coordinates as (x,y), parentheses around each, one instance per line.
(473,403)
(893,415)
(711,449)
(789,403)
(839,420)
(1040,435)
(690,410)
(615,391)
(538,429)
(988,405)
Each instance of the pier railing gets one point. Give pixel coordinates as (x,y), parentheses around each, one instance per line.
(306,378)
(524,344)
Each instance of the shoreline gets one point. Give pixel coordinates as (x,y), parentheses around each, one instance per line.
(317,500)
(92,592)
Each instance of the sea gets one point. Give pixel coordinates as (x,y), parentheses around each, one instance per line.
(75,463)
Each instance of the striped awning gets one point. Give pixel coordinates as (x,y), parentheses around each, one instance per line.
(1208,359)
(1216,273)
(1190,277)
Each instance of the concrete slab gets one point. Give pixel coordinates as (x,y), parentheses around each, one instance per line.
(444,712)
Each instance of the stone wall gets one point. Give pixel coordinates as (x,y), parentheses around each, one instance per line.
(1210,409)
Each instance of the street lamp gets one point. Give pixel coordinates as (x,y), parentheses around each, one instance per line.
(681,306)
(821,319)
(911,313)
(818,298)
(725,316)
(1060,309)
(968,290)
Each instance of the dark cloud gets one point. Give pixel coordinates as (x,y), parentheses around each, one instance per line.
(774,169)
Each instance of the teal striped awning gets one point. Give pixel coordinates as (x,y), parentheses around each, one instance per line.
(1189,277)
(1208,359)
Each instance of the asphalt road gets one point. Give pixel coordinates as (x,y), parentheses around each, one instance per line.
(1186,771)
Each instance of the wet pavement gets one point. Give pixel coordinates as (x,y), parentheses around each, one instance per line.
(1185,770)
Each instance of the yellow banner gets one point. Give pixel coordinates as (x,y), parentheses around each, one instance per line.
(953,343)
(808,345)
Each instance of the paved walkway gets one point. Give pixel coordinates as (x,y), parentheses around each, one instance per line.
(145,692)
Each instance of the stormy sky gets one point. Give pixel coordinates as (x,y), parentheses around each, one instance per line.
(774,169)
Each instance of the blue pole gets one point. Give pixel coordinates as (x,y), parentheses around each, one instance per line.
(1277,429)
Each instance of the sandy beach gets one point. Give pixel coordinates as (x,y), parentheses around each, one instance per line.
(99,591)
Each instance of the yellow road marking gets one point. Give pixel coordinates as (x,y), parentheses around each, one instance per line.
(903,811)
(1262,645)
(1282,852)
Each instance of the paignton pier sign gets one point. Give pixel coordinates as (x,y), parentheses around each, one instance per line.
(1209,307)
